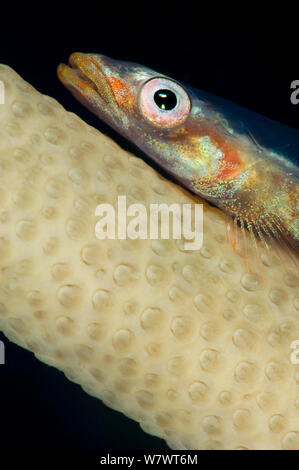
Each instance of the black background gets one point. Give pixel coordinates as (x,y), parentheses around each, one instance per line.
(239,55)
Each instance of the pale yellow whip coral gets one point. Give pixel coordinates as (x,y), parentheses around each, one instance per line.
(189,344)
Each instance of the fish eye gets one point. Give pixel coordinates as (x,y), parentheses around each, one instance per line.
(165,99)
(164,102)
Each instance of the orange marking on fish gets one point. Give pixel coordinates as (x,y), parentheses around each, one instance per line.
(123,93)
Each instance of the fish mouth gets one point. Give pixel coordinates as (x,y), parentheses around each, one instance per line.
(85,77)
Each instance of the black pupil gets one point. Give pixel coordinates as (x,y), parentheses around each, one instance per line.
(165,99)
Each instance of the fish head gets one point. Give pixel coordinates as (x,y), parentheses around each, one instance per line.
(164,118)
